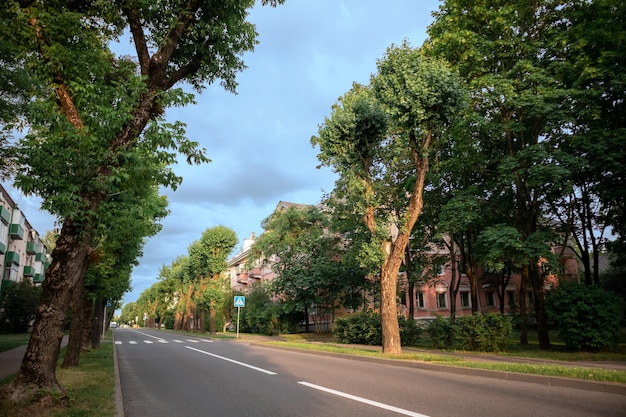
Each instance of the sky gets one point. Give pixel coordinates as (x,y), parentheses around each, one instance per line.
(309,54)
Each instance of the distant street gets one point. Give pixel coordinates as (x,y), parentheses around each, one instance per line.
(168,375)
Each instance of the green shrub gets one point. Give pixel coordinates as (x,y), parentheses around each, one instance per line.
(586,317)
(362,328)
(410,331)
(480,332)
(441,333)
(365,328)
(483,332)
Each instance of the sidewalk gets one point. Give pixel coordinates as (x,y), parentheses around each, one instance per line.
(11,360)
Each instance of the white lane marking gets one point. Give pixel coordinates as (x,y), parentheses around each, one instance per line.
(148,341)
(207,340)
(364,400)
(149,335)
(233,361)
(132,342)
(192,341)
(177,341)
(118,342)
(162,341)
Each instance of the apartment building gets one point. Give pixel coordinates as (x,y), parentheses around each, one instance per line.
(22,252)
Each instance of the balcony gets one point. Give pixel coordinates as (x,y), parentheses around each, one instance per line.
(38,278)
(29,271)
(31,248)
(242,278)
(5,215)
(16,231)
(11,258)
(255,273)
(3,248)
(41,257)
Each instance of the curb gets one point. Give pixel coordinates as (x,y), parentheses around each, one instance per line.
(596,386)
(119,400)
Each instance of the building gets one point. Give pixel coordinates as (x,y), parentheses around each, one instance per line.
(495,292)
(242,275)
(22,252)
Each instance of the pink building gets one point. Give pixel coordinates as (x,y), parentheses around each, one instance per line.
(432,297)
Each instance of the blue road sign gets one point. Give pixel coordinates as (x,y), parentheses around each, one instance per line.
(240,301)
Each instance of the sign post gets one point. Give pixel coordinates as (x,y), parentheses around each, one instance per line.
(240,301)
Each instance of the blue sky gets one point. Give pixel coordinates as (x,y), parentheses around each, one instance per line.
(310,53)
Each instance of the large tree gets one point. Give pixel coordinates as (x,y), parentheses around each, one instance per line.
(98,108)
(379,139)
(505,50)
(208,258)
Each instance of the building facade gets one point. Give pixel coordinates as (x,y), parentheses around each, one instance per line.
(23,254)
(499,292)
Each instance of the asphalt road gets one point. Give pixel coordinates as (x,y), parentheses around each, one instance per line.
(168,375)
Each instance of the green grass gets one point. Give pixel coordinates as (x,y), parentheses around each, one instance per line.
(593,374)
(91,387)
(11,341)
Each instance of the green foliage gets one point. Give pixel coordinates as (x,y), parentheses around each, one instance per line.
(441,333)
(483,332)
(365,328)
(362,328)
(480,332)
(18,303)
(587,317)
(261,314)
(410,331)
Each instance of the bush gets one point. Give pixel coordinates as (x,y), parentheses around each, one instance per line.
(360,328)
(483,332)
(587,318)
(410,331)
(365,328)
(441,333)
(18,305)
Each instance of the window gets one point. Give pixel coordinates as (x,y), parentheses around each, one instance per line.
(419,297)
(510,296)
(10,273)
(531,299)
(441,300)
(465,299)
(490,299)
(442,270)
(4,233)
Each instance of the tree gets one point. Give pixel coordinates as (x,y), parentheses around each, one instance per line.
(106,112)
(18,303)
(312,271)
(379,140)
(208,258)
(506,53)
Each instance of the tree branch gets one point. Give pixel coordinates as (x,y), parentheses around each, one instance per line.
(132,16)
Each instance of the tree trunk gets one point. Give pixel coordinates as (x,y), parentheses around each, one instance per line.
(389,309)
(212,314)
(523,309)
(543,335)
(88,329)
(37,371)
(98,323)
(75,344)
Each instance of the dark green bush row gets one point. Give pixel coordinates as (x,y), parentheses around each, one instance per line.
(481,332)
(365,328)
(587,317)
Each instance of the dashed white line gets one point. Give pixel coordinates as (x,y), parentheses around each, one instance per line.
(364,400)
(232,361)
(118,342)
(148,341)
(132,342)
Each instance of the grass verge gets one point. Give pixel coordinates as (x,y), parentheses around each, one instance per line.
(91,387)
(591,374)
(11,341)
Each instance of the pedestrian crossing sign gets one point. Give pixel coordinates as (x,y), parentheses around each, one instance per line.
(240,301)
